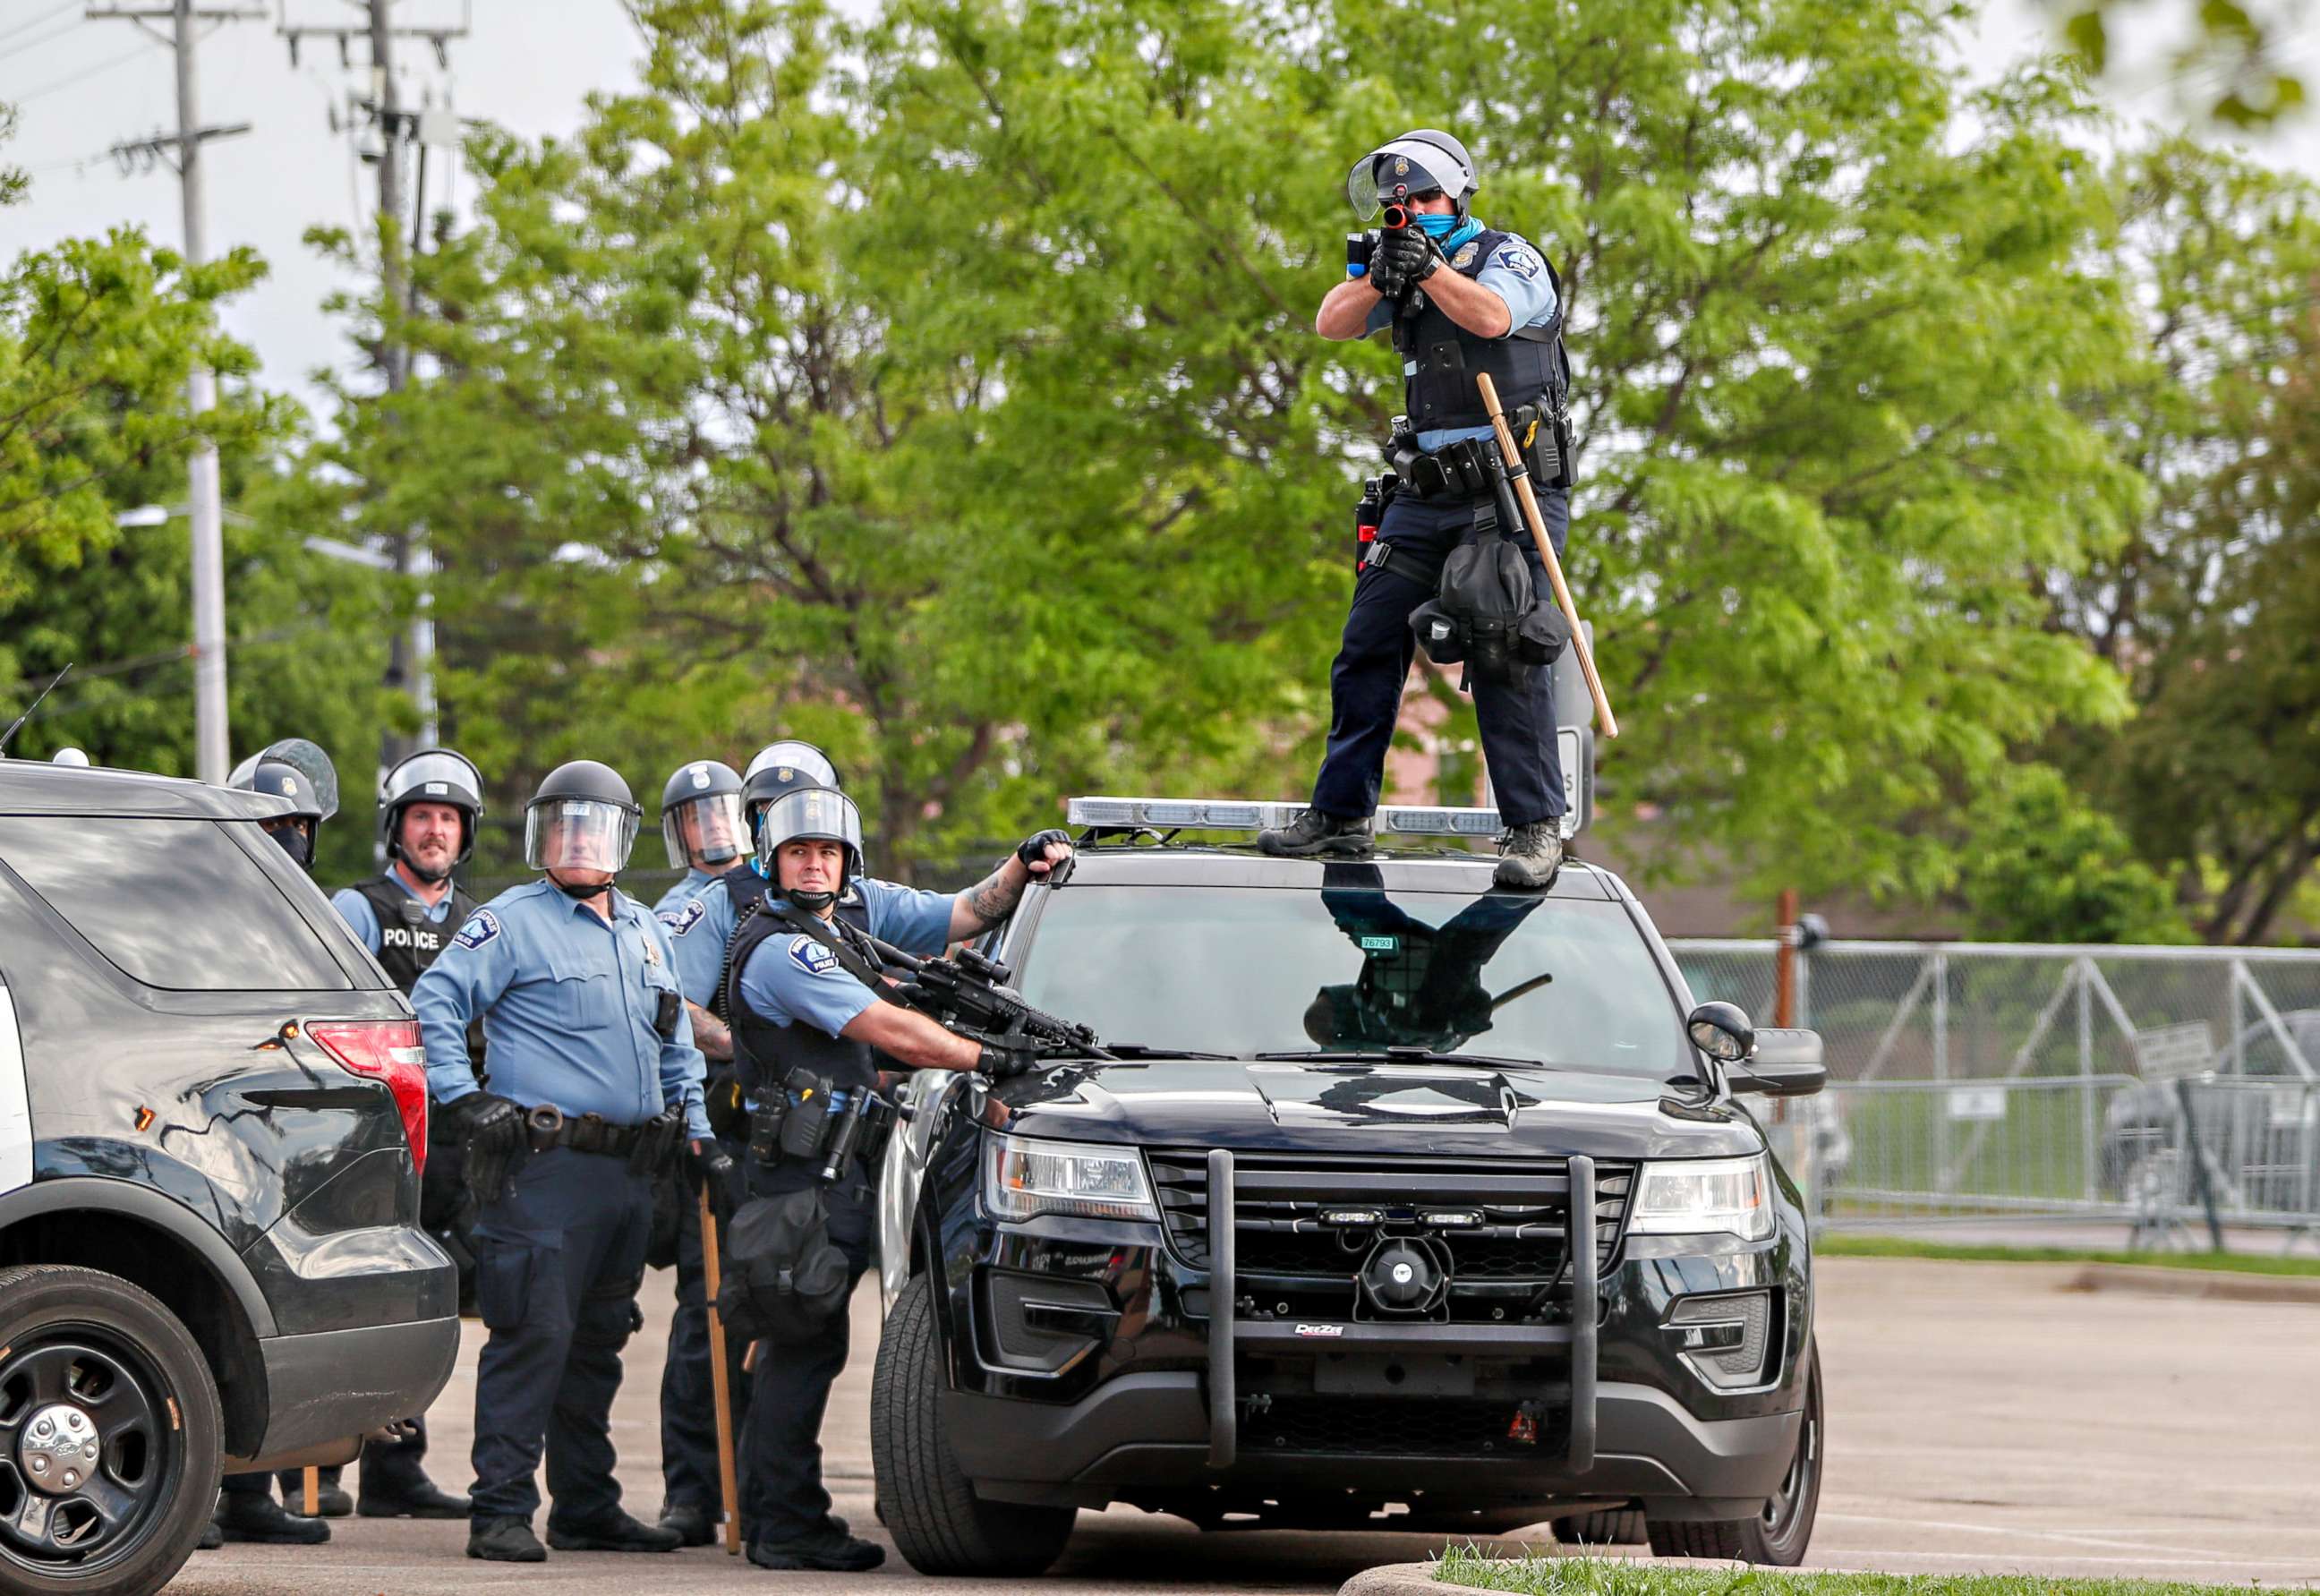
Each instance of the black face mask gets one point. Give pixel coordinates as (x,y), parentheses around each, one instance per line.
(296,837)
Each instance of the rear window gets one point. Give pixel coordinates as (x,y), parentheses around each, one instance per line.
(1237,970)
(175,905)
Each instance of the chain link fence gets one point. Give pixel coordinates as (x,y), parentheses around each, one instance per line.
(2172,1091)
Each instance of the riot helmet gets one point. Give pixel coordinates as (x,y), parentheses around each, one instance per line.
(704,798)
(811,814)
(782,767)
(431,775)
(1402,168)
(297,772)
(581,818)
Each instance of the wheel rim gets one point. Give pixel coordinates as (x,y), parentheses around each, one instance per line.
(1786,1507)
(87,1453)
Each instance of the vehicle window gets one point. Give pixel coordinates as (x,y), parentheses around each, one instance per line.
(1245,969)
(175,905)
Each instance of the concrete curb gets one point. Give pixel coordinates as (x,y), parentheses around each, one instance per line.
(2157,1281)
(1397,1578)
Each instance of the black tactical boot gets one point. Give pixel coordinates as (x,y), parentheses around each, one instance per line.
(829,1549)
(212,1537)
(1531,855)
(615,1532)
(503,1540)
(696,1526)
(330,1499)
(246,1515)
(420,1501)
(1314,832)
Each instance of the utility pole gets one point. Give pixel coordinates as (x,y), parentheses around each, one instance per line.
(212,750)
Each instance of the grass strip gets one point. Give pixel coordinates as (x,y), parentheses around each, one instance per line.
(1572,1576)
(1844,1245)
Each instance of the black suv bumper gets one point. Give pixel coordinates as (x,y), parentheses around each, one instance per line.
(327,1386)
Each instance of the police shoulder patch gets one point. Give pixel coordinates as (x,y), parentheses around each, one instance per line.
(681,920)
(482,926)
(812,956)
(1520,259)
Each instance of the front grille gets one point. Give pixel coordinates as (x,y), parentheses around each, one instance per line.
(1280,1239)
(1381,1427)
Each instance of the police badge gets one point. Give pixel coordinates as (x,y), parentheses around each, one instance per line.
(1401,165)
(1464,257)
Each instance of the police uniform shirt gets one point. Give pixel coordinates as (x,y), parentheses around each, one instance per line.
(567,1003)
(363,920)
(697,882)
(1517,273)
(703,928)
(795,977)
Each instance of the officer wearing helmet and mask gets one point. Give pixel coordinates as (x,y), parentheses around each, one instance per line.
(595,1090)
(802,1008)
(701,825)
(428,809)
(1460,298)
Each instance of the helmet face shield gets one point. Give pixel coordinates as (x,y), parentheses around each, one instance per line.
(810,814)
(304,757)
(1408,166)
(706,829)
(436,775)
(578,834)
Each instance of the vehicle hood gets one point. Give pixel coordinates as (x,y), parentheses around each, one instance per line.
(1511,1111)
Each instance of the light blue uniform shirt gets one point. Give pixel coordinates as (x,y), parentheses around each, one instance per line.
(362,919)
(1517,273)
(696,881)
(699,929)
(567,1004)
(792,977)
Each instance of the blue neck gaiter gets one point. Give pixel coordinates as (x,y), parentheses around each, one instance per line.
(1448,230)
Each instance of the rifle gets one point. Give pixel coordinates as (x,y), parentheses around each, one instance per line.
(971,996)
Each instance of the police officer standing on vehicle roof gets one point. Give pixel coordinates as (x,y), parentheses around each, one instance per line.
(701,825)
(802,1008)
(301,775)
(595,1087)
(428,806)
(1460,299)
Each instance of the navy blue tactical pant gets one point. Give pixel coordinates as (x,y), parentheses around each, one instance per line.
(688,1397)
(782,1499)
(558,1264)
(1516,717)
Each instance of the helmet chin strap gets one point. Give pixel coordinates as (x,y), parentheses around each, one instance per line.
(816,903)
(577,891)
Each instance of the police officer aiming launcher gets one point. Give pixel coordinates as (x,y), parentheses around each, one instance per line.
(811,1026)
(595,1088)
(1461,300)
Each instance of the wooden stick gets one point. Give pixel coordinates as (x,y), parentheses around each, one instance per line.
(1508,452)
(314,1483)
(728,1486)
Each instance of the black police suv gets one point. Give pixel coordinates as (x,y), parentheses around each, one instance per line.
(1302,1252)
(211,1108)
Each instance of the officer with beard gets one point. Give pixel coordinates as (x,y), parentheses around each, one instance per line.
(798,1011)
(595,1087)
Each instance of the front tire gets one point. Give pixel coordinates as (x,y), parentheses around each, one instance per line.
(102,1387)
(1778,1535)
(1613,1526)
(938,1523)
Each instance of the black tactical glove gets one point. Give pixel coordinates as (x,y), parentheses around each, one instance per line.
(1405,257)
(1002,1063)
(1033,850)
(709,1168)
(492,1127)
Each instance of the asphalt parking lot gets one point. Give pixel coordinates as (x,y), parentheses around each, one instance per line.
(1981,1418)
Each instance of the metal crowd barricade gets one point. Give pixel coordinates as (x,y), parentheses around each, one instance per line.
(2172,1090)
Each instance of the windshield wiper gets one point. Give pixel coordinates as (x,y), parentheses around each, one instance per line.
(1395,1055)
(1149,1051)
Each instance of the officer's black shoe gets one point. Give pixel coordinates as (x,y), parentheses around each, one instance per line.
(1531,856)
(828,1550)
(421,1501)
(330,1502)
(212,1537)
(505,1540)
(1314,832)
(249,1517)
(615,1532)
(695,1524)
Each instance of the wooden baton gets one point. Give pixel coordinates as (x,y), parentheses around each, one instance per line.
(1513,460)
(728,1486)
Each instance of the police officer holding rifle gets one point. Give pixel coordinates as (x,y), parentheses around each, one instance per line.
(812,1025)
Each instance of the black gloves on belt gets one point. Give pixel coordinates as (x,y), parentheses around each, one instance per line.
(491,1128)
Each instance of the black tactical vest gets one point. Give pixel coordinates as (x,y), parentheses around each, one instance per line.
(408,941)
(765,1053)
(1440,360)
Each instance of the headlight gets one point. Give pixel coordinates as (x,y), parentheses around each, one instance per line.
(1704,1196)
(1024,1178)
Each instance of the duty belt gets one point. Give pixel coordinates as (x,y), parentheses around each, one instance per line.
(548,1125)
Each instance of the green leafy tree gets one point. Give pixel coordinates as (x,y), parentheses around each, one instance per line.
(2231,62)
(2045,866)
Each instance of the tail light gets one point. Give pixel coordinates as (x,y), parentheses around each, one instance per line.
(385,1050)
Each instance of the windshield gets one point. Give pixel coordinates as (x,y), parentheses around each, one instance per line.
(1243,970)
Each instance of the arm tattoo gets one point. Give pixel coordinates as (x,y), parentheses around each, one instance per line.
(711,1035)
(993,898)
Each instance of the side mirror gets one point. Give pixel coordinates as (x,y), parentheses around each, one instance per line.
(1723,1032)
(1787,1063)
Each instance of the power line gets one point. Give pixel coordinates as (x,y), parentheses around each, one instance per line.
(104,65)
(17,51)
(27,27)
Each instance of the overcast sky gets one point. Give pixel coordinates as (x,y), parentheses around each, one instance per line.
(526,64)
